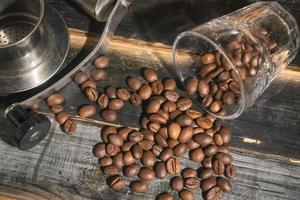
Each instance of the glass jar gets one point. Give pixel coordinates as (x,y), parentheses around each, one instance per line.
(235,57)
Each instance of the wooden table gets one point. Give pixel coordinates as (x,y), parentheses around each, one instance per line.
(266,138)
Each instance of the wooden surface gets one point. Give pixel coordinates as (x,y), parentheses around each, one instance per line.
(265,142)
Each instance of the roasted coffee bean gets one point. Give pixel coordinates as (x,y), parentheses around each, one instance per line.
(196,155)
(156,149)
(111,92)
(186,194)
(223,86)
(117,183)
(157,87)
(191,144)
(165,196)
(145,92)
(105,161)
(99,150)
(160,98)
(128,158)
(87,111)
(146,145)
(180,150)
(237,61)
(103,101)
(153,106)
(70,126)
(206,69)
(203,139)
(208,184)
(228,98)
(173,166)
(132,170)
(169,84)
(210,150)
(207,58)
(106,131)
(172,142)
(185,134)
(88,83)
(203,88)
(101,62)
(115,139)
(218,139)
(123,94)
(198,130)
(204,122)
(80,77)
(146,174)
(218,95)
(206,173)
(169,106)
(163,132)
(224,76)
(184,120)
(134,83)
(157,118)
(175,114)
(148,159)
(153,126)
(91,94)
(214,73)
(215,193)
(218,167)
(109,115)
(176,183)
(164,114)
(55,99)
(118,160)
(111,149)
(115,104)
(174,130)
(160,140)
(150,75)
(137,152)
(207,100)
(139,186)
(234,87)
(230,171)
(192,86)
(171,95)
(225,132)
(160,170)
(224,149)
(124,131)
(224,157)
(111,170)
(207,162)
(184,104)
(55,109)
(127,146)
(148,135)
(224,184)
(193,113)
(189,172)
(192,182)
(135,99)
(215,106)
(213,88)
(98,74)
(166,154)
(62,117)
(210,132)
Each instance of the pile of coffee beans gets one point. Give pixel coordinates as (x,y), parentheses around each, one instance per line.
(170,129)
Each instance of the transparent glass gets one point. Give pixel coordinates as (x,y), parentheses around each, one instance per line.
(236,56)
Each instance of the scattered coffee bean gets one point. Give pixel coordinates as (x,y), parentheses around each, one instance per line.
(215,193)
(189,172)
(186,134)
(176,183)
(124,131)
(160,170)
(150,75)
(230,171)
(173,166)
(134,83)
(111,170)
(148,135)
(203,139)
(226,134)
(153,106)
(224,184)
(128,158)
(62,117)
(165,196)
(193,113)
(157,118)
(145,92)
(111,149)
(186,194)
(208,184)
(184,104)
(160,140)
(111,92)
(180,150)
(169,84)
(117,183)
(184,120)
(218,139)
(148,159)
(127,146)
(105,161)
(132,170)
(101,62)
(115,139)
(203,88)
(106,131)
(56,109)
(80,77)
(55,99)
(156,149)
(135,99)
(98,74)
(210,150)
(192,182)
(118,160)
(191,144)
(153,126)
(115,104)
(139,186)
(99,150)
(224,157)
(196,155)
(192,86)
(207,162)
(123,94)
(109,115)
(204,122)
(207,58)
(171,95)
(218,167)
(88,83)
(206,173)
(157,87)
(87,111)
(174,130)
(146,174)
(146,145)
(70,126)
(172,142)
(169,106)
(103,101)
(224,149)
(166,154)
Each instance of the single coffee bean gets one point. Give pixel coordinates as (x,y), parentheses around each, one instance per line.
(137,152)
(145,92)
(191,144)
(198,130)
(157,87)
(146,145)
(106,131)
(203,88)
(176,183)
(135,99)
(169,84)
(88,83)
(132,170)
(172,142)
(115,104)
(203,139)
(87,111)
(210,132)
(166,154)
(224,76)
(210,150)
(186,194)
(156,149)
(204,122)
(196,155)
(150,75)
(192,86)
(173,166)
(80,77)
(224,149)
(215,106)
(91,94)
(101,62)
(118,160)
(234,87)
(206,69)
(111,170)
(157,118)
(163,131)
(127,146)
(98,74)
(218,167)
(169,106)
(99,150)
(111,149)
(117,183)
(224,157)
(62,117)
(207,100)
(160,170)
(214,73)
(224,184)
(115,139)
(174,130)
(184,104)
(146,174)
(148,159)
(103,101)
(225,132)
(184,120)
(193,113)
(124,131)
(189,172)
(207,162)
(165,196)
(230,171)
(206,173)
(160,140)
(56,109)
(175,114)
(105,161)
(148,135)
(134,83)
(164,114)
(207,58)
(208,184)
(192,182)
(55,99)
(180,150)
(139,186)
(213,88)
(123,94)
(218,139)
(215,193)
(186,134)
(128,158)
(111,92)
(153,126)
(70,126)
(160,98)
(223,86)
(109,115)
(228,98)
(171,95)
(153,106)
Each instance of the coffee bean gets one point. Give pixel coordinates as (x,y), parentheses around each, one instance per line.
(184,120)
(171,95)
(204,122)
(80,77)
(215,193)
(160,170)
(101,62)
(111,92)
(99,150)
(210,150)
(196,155)
(174,130)
(128,158)
(134,83)
(70,126)
(115,139)
(165,196)
(123,94)
(206,173)
(172,142)
(160,140)
(208,184)
(207,162)
(230,171)
(218,167)
(148,159)
(135,99)
(189,172)
(139,186)
(117,183)
(180,150)
(176,183)
(185,134)
(228,98)
(186,194)
(184,104)
(224,157)
(218,139)
(153,126)
(254,61)
(192,86)
(115,104)
(124,131)
(111,170)
(55,109)
(146,145)
(206,69)
(163,132)
(223,86)
(175,114)
(156,149)
(203,139)
(62,117)
(192,182)
(226,134)
(55,99)
(150,75)
(118,160)
(106,131)
(137,152)
(160,98)
(98,74)
(193,113)
(164,114)
(146,174)
(213,88)
(173,166)
(157,118)
(145,92)
(132,170)
(224,149)
(224,184)
(166,154)
(218,95)
(157,87)
(148,135)
(203,88)
(210,132)
(103,101)
(91,94)
(191,144)
(88,83)
(169,106)
(127,146)
(215,106)
(87,111)
(234,87)
(207,100)
(214,73)
(223,76)
(169,84)
(109,115)
(105,161)
(153,106)
(111,149)
(197,130)
(207,58)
